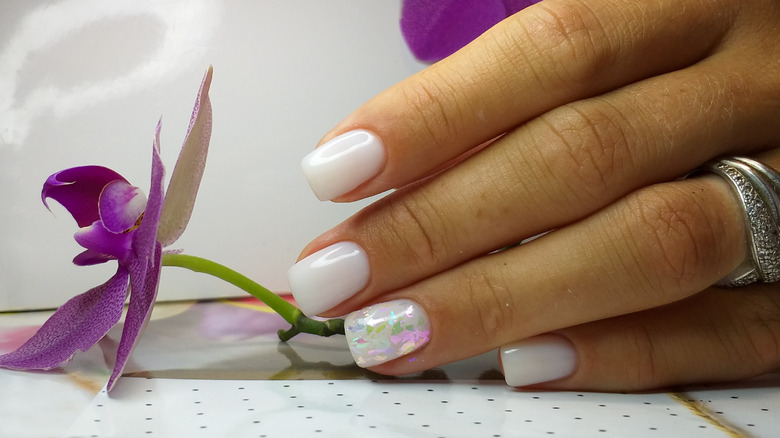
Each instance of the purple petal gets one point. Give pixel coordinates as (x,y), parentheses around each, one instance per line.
(78,190)
(436,29)
(75,326)
(121,205)
(237,320)
(89,258)
(98,239)
(144,279)
(144,266)
(514,6)
(186,176)
(145,236)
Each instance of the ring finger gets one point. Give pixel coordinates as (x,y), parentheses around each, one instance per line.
(656,246)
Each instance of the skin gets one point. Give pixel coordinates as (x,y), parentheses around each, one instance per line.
(580,117)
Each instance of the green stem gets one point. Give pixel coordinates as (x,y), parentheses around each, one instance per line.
(299,322)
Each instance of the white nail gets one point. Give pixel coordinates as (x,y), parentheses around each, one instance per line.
(539,359)
(328,277)
(342,164)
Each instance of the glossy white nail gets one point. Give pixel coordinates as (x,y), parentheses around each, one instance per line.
(386,331)
(343,163)
(328,277)
(539,359)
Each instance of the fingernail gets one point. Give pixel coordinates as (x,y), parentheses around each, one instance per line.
(385,331)
(539,359)
(328,277)
(343,163)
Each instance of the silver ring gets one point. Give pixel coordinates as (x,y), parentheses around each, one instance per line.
(758,190)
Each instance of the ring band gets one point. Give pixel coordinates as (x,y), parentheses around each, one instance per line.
(758,190)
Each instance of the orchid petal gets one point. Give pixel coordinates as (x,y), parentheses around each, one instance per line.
(188,172)
(436,29)
(101,241)
(238,320)
(121,205)
(144,238)
(75,326)
(144,266)
(515,6)
(78,190)
(89,258)
(144,282)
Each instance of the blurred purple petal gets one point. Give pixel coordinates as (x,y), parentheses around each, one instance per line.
(188,172)
(121,205)
(98,239)
(78,190)
(75,326)
(514,6)
(230,320)
(436,29)
(144,280)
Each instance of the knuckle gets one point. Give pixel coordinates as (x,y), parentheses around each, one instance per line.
(411,222)
(720,94)
(676,237)
(432,106)
(761,327)
(756,93)
(507,47)
(573,30)
(491,301)
(647,360)
(592,145)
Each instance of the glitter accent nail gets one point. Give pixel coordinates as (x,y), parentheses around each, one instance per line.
(386,331)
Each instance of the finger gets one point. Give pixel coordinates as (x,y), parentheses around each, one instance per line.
(552,171)
(553,53)
(717,335)
(654,247)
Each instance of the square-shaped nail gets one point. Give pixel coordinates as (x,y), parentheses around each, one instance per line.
(328,277)
(343,163)
(386,331)
(542,358)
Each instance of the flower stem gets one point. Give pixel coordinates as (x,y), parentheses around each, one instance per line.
(299,322)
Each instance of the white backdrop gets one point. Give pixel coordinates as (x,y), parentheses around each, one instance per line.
(84,82)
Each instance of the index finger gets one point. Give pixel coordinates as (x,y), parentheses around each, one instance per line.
(555,52)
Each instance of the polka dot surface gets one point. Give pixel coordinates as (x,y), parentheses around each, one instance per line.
(211,408)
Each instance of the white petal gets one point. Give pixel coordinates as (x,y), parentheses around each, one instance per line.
(185,180)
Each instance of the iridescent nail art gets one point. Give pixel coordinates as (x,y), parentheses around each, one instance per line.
(385,331)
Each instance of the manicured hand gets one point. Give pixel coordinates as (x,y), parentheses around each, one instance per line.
(576,119)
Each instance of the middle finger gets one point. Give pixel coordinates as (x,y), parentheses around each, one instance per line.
(550,172)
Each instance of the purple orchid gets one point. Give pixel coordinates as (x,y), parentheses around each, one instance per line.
(117,222)
(434,29)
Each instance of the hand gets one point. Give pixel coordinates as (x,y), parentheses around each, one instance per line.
(576,119)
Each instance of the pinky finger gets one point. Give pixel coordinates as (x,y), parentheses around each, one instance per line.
(716,335)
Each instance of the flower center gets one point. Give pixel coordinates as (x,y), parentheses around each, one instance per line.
(135,225)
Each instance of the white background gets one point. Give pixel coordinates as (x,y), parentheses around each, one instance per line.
(84,82)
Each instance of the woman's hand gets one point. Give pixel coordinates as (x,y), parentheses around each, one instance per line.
(577,117)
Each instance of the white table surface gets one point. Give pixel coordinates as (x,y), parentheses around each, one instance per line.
(216,370)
